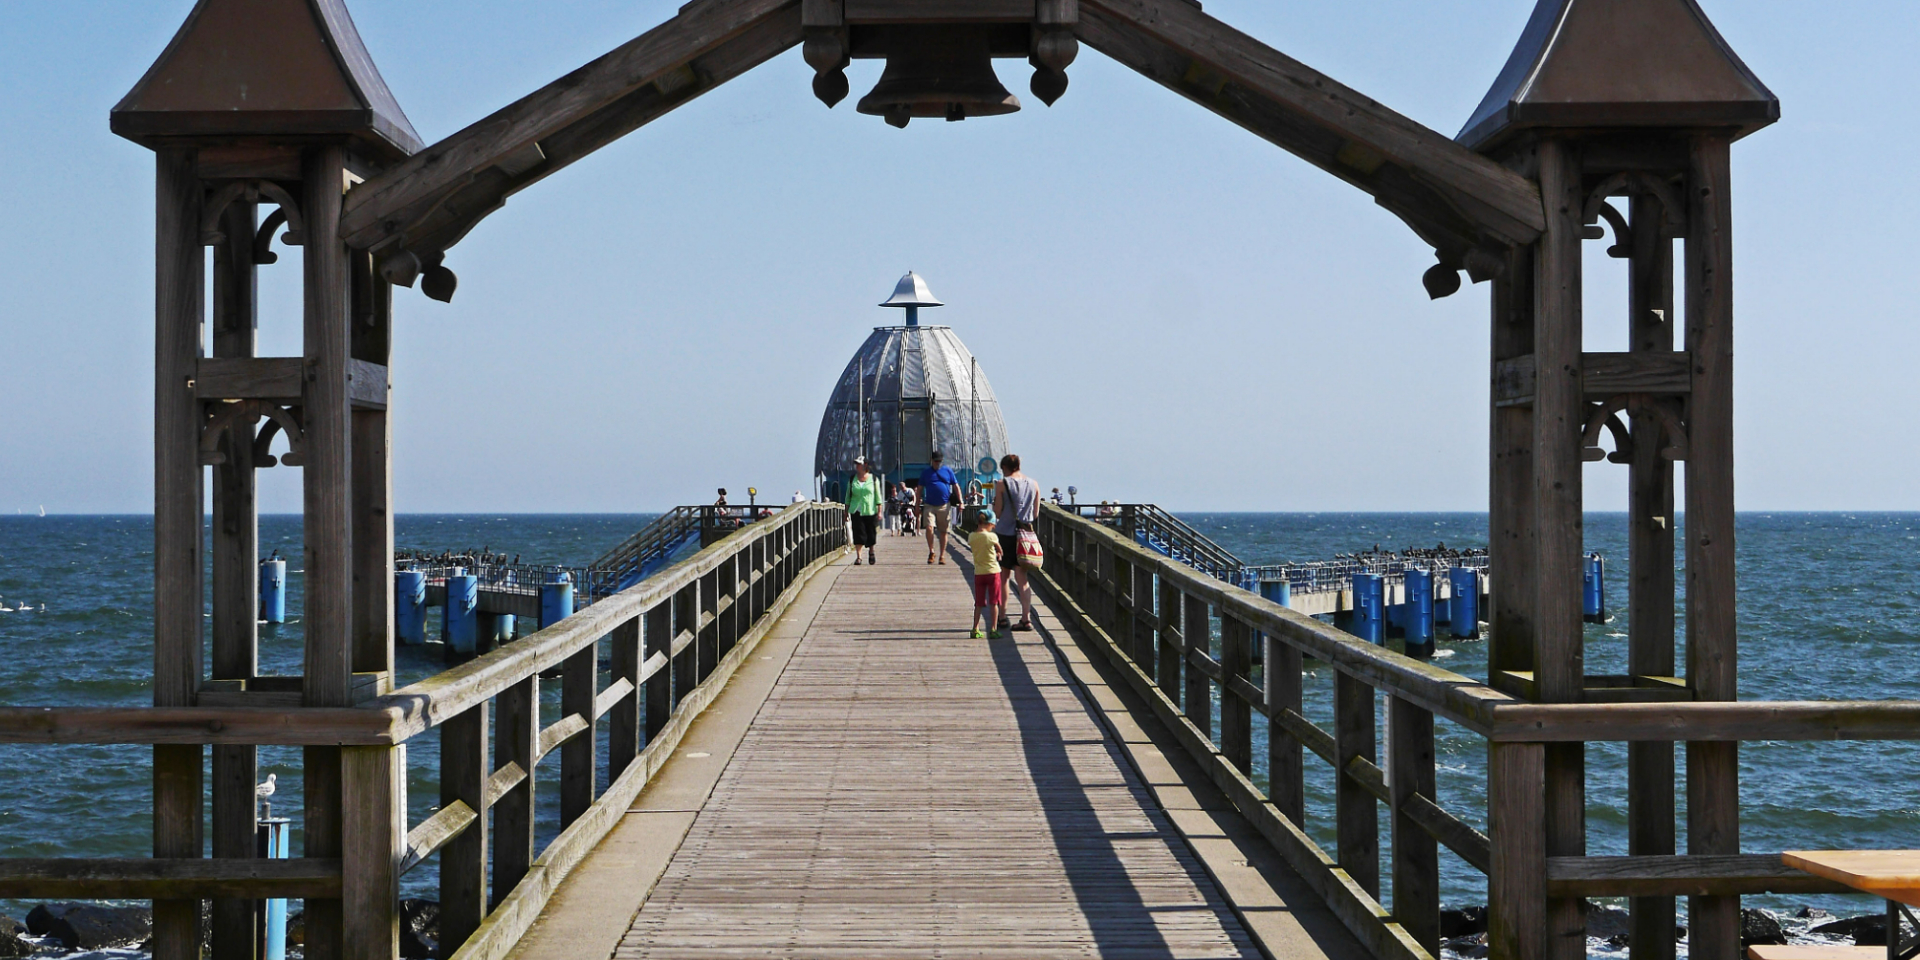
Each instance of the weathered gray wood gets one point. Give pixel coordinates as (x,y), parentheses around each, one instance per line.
(623,723)
(435,832)
(194,725)
(1516,821)
(1145,623)
(327,479)
(1357,819)
(323,840)
(1286,765)
(659,635)
(1713,791)
(1418,173)
(1168,655)
(1510,548)
(1416,857)
(372,468)
(1197,634)
(160,878)
(1650,580)
(177,607)
(939,11)
(1607,374)
(248,378)
(1670,876)
(686,622)
(395,204)
(235,582)
(371,790)
(1236,715)
(463,861)
(578,758)
(516,742)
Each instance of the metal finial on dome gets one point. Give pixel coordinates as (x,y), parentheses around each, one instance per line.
(912,293)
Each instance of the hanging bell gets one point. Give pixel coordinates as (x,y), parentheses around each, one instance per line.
(939,72)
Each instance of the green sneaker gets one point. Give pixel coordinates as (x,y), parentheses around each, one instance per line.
(979,635)
(993,635)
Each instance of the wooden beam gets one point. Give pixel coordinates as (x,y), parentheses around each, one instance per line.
(516,743)
(1517,884)
(1416,857)
(372,783)
(463,862)
(1727,875)
(1357,819)
(435,832)
(438,194)
(73,878)
(1453,197)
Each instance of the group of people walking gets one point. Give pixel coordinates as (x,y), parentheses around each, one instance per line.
(1003,541)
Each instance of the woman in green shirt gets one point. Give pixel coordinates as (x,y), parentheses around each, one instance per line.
(863,508)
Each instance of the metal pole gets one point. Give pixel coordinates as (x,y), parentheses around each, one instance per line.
(973,420)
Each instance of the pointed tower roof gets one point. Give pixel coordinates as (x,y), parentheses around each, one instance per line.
(1620,63)
(274,68)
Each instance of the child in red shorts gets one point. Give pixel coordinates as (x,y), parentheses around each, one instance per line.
(989,597)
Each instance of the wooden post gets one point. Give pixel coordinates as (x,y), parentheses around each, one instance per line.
(1650,581)
(1169,658)
(1416,858)
(1144,633)
(659,639)
(1559,415)
(1713,772)
(517,712)
(372,468)
(463,861)
(1236,714)
(1120,622)
(578,758)
(370,878)
(1286,763)
(179,262)
(706,646)
(623,721)
(1517,827)
(328,534)
(236,580)
(1357,819)
(686,619)
(1197,632)
(1510,547)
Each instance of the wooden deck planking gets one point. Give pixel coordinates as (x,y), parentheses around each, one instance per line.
(908,792)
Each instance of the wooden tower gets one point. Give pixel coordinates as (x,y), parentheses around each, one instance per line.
(1637,100)
(274,103)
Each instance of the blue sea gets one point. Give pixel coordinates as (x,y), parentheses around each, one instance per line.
(1829,608)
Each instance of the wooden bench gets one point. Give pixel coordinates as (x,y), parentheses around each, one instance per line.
(1814,951)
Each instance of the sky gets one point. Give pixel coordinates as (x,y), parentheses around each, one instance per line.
(1169,309)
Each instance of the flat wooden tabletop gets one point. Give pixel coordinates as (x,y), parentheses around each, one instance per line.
(1893,874)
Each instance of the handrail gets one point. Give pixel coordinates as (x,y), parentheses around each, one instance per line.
(1152,617)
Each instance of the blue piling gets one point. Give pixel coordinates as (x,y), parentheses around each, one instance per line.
(1463,617)
(410,605)
(1419,613)
(273,591)
(1279,591)
(556,600)
(273,834)
(461,622)
(1593,590)
(1369,607)
(503,629)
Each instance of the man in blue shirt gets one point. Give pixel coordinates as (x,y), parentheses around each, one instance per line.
(937,487)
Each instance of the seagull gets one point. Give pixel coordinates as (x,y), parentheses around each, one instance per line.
(265,790)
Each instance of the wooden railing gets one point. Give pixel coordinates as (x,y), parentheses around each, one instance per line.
(1153,618)
(673,640)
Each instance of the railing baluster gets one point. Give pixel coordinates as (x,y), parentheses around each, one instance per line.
(659,640)
(1286,764)
(1144,622)
(1120,579)
(1357,816)
(1416,857)
(463,861)
(686,621)
(1236,715)
(1197,636)
(517,714)
(623,721)
(1170,660)
(579,683)
(706,644)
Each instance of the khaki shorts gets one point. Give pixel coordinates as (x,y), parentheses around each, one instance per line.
(936,519)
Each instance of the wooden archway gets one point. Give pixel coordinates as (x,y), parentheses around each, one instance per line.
(1469,208)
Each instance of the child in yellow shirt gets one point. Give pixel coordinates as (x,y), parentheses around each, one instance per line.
(988,594)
